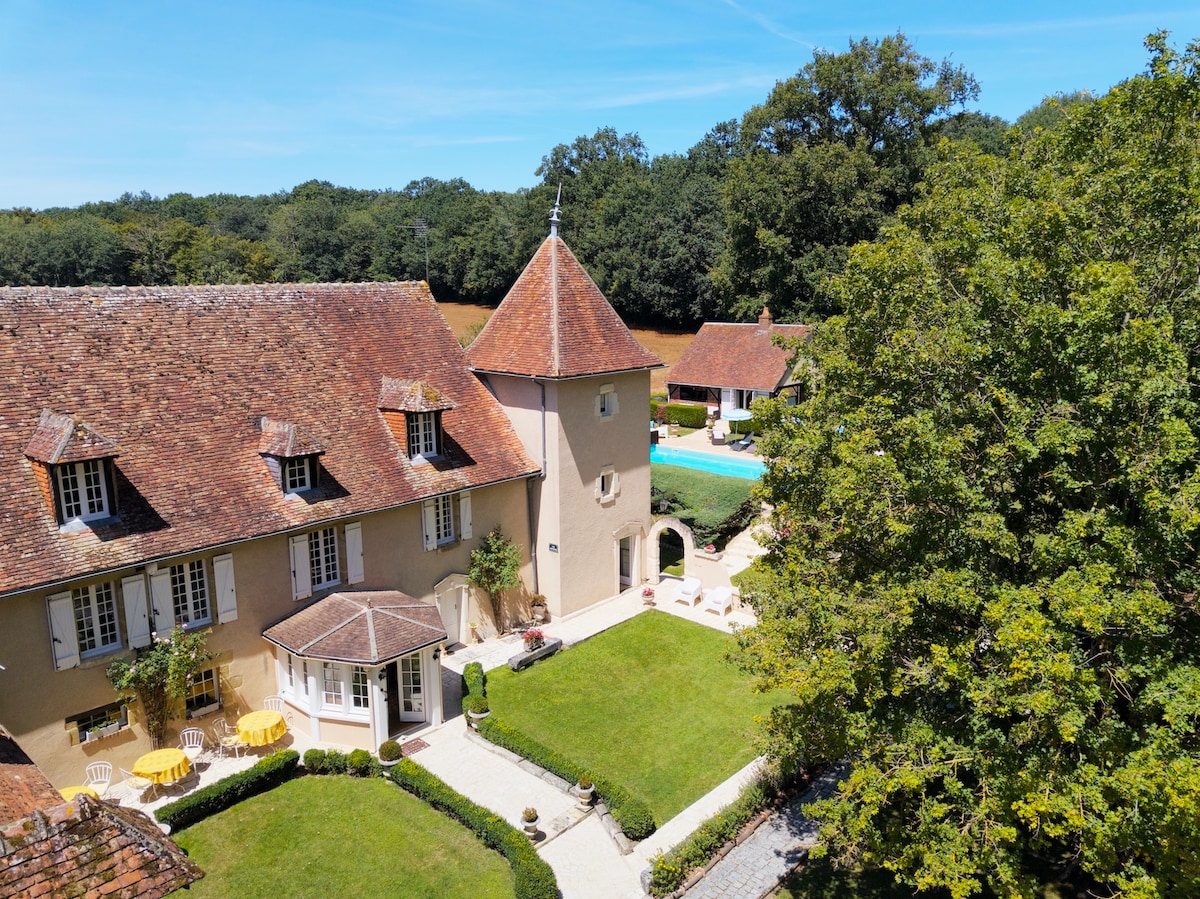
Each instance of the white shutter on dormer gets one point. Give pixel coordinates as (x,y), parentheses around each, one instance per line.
(354,553)
(464,515)
(137,614)
(63,640)
(160,601)
(301,572)
(226,589)
(429,524)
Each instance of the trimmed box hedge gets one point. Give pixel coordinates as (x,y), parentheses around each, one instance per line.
(534,878)
(685,414)
(264,775)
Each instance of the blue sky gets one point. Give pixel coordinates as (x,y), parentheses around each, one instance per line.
(98,98)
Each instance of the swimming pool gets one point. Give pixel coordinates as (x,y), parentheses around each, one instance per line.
(730,466)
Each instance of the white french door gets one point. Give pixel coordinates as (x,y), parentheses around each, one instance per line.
(412,690)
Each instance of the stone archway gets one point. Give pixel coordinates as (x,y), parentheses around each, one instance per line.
(667,524)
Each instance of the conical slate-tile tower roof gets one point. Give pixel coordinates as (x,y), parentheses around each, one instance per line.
(555,323)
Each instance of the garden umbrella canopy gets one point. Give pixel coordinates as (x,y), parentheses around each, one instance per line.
(736,415)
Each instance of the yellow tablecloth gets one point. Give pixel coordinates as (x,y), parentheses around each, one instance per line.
(162,766)
(69,793)
(261,728)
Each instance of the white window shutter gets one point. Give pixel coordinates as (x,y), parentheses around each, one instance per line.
(464,514)
(301,572)
(429,520)
(354,553)
(160,601)
(63,640)
(137,618)
(226,588)
(614,405)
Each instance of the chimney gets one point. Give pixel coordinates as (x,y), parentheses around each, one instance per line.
(765,320)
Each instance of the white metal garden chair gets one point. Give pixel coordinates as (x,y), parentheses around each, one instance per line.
(191,741)
(98,776)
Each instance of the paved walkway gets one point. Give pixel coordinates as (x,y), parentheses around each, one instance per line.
(757,866)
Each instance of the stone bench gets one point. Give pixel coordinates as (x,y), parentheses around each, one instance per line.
(549,647)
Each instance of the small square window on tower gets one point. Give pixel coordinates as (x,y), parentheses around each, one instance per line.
(606,402)
(607,485)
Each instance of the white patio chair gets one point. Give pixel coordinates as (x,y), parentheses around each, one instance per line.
(139,784)
(191,741)
(274,702)
(688,591)
(227,739)
(98,776)
(718,599)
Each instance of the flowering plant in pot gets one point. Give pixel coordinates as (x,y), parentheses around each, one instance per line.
(534,638)
(710,548)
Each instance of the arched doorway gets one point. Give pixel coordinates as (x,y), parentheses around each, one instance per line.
(656,529)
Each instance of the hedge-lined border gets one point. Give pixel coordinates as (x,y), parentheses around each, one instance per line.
(631,814)
(534,879)
(229,791)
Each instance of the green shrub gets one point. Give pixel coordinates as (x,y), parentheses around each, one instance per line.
(534,878)
(335,762)
(583,782)
(685,414)
(715,507)
(634,816)
(263,776)
(359,762)
(668,870)
(476,703)
(474,680)
(314,760)
(389,751)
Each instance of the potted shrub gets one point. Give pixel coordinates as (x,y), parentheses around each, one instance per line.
(390,753)
(477,710)
(529,820)
(537,608)
(585,787)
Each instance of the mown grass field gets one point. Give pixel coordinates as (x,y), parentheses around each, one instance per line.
(651,703)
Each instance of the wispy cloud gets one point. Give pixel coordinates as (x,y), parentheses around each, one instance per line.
(769,25)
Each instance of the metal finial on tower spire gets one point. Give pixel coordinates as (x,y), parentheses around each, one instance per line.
(554,216)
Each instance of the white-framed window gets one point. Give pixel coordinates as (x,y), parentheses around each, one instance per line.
(607,485)
(440,515)
(189,593)
(334,689)
(422,434)
(203,693)
(95,610)
(606,401)
(316,561)
(82,491)
(323,558)
(101,722)
(360,688)
(304,679)
(297,474)
(290,675)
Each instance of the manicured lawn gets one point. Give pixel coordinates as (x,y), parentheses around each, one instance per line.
(649,703)
(340,836)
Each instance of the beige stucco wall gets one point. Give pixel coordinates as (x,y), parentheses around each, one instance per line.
(35,699)
(577,539)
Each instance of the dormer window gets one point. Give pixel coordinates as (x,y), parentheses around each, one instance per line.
(81,490)
(413,411)
(74,464)
(292,454)
(423,434)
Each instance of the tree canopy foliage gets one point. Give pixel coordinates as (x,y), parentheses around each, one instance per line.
(757,212)
(982,587)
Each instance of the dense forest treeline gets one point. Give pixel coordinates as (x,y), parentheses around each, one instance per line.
(760,211)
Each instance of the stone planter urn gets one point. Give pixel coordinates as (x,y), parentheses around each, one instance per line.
(529,820)
(586,790)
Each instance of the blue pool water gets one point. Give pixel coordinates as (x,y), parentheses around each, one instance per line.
(730,466)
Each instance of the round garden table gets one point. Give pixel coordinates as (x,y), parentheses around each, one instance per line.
(162,766)
(261,728)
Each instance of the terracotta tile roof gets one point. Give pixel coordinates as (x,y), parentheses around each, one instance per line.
(555,323)
(737,355)
(369,627)
(412,396)
(60,438)
(287,440)
(79,848)
(180,378)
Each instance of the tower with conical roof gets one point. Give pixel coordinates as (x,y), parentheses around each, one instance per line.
(576,386)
